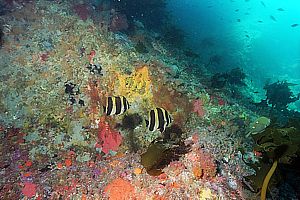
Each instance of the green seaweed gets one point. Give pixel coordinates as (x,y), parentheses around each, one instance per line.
(277,144)
(159,155)
(152,158)
(164,150)
(272,138)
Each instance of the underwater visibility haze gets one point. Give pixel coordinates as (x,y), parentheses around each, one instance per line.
(150,99)
(262,37)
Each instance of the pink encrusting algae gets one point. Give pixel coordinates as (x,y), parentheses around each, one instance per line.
(109,139)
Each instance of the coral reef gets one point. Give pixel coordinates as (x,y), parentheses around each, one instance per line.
(140,47)
(136,87)
(1,36)
(234,77)
(198,108)
(118,22)
(82,10)
(62,59)
(119,189)
(173,36)
(139,9)
(206,168)
(109,139)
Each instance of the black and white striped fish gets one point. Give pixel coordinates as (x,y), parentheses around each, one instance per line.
(116,105)
(159,118)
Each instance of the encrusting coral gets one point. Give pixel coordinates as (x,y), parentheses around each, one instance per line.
(136,87)
(109,139)
(119,189)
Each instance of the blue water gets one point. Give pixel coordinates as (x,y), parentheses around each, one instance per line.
(245,35)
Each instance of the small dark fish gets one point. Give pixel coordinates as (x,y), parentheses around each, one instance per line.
(116,105)
(280,9)
(81,102)
(260,21)
(95,69)
(294,25)
(247,36)
(69,88)
(263,4)
(255,92)
(273,18)
(292,84)
(237,10)
(238,20)
(159,119)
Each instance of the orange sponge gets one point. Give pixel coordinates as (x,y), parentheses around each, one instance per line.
(119,189)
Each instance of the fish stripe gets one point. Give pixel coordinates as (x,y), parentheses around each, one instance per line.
(160,118)
(128,105)
(167,117)
(125,104)
(114,106)
(156,122)
(151,120)
(170,118)
(109,106)
(118,105)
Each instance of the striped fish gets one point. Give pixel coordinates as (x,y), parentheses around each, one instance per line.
(159,118)
(116,105)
